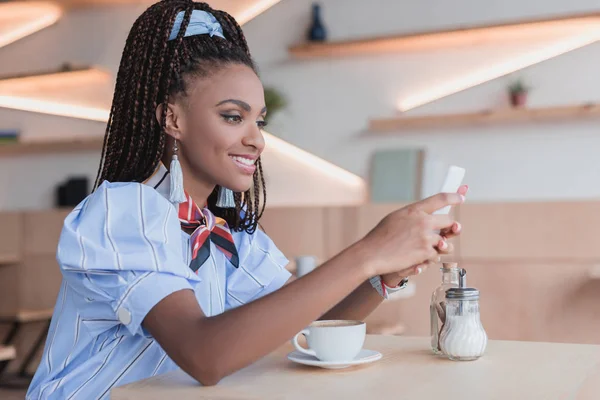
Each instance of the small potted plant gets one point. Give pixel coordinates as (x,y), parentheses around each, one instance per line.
(518,93)
(274,101)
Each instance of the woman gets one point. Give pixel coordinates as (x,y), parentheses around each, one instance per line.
(157,276)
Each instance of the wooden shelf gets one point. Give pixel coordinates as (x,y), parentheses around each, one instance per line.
(9,259)
(80,92)
(465,36)
(393,125)
(25,316)
(21,149)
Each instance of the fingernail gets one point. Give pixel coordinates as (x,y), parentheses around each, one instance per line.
(419,270)
(442,245)
(456,227)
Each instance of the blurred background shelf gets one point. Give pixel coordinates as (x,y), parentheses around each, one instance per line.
(444,39)
(50,147)
(511,115)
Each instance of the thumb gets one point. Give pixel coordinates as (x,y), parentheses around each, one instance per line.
(438,201)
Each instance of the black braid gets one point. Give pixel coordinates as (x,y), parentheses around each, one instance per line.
(152,70)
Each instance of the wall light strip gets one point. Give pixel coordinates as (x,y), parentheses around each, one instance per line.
(54,108)
(48,14)
(314,162)
(98,114)
(495,71)
(254,10)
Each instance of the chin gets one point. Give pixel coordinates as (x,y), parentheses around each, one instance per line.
(239,186)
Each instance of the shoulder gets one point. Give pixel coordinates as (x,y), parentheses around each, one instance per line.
(120,202)
(118,221)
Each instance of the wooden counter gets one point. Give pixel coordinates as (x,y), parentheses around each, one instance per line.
(408,370)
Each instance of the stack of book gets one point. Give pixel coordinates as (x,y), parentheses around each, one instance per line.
(8,136)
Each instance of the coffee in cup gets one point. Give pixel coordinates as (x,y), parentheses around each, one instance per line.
(333,340)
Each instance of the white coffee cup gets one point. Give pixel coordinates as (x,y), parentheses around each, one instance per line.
(333,340)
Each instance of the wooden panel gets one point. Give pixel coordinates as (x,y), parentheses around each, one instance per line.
(43,241)
(9,288)
(27,315)
(340,229)
(297,231)
(554,302)
(11,237)
(563,303)
(486,117)
(526,231)
(20,149)
(463,37)
(505,299)
(39,282)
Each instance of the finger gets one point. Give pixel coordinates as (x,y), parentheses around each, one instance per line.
(434,260)
(454,230)
(442,222)
(419,269)
(444,247)
(434,240)
(438,201)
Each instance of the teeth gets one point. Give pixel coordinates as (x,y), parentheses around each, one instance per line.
(245,161)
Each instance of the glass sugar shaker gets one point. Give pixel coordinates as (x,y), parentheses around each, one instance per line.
(463,337)
(437,307)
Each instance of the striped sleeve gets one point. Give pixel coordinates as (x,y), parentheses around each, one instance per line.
(122,247)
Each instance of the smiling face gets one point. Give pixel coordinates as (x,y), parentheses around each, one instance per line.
(218,124)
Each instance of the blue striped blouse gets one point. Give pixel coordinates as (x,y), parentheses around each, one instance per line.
(121,251)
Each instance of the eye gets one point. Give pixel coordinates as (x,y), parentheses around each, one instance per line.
(261,124)
(232,118)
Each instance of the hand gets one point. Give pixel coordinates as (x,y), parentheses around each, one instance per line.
(393,279)
(409,237)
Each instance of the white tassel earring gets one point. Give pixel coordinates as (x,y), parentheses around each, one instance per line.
(176,193)
(225,198)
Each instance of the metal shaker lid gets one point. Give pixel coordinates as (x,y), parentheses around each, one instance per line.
(462,293)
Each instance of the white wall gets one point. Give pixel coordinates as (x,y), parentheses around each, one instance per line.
(85,37)
(331,101)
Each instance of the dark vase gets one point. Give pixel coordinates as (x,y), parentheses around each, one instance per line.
(317,31)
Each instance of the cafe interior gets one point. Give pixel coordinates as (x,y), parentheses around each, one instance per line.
(370,103)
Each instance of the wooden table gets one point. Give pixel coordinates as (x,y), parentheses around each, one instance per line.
(408,370)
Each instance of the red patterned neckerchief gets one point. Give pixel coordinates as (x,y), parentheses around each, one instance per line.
(206,228)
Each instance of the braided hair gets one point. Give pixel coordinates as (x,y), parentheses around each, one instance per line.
(152,70)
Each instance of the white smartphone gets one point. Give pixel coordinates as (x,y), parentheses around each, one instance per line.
(453,180)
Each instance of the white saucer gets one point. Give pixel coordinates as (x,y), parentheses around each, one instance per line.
(364,357)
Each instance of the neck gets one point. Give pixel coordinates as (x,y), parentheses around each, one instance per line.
(197,189)
(195,186)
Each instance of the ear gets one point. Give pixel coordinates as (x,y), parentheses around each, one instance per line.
(173,120)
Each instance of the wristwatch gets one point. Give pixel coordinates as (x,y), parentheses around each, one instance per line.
(383,289)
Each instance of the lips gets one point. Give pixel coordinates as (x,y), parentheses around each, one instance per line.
(246,164)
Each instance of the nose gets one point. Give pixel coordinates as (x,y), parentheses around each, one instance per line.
(254,138)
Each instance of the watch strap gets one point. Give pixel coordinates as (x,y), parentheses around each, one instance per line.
(385,290)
